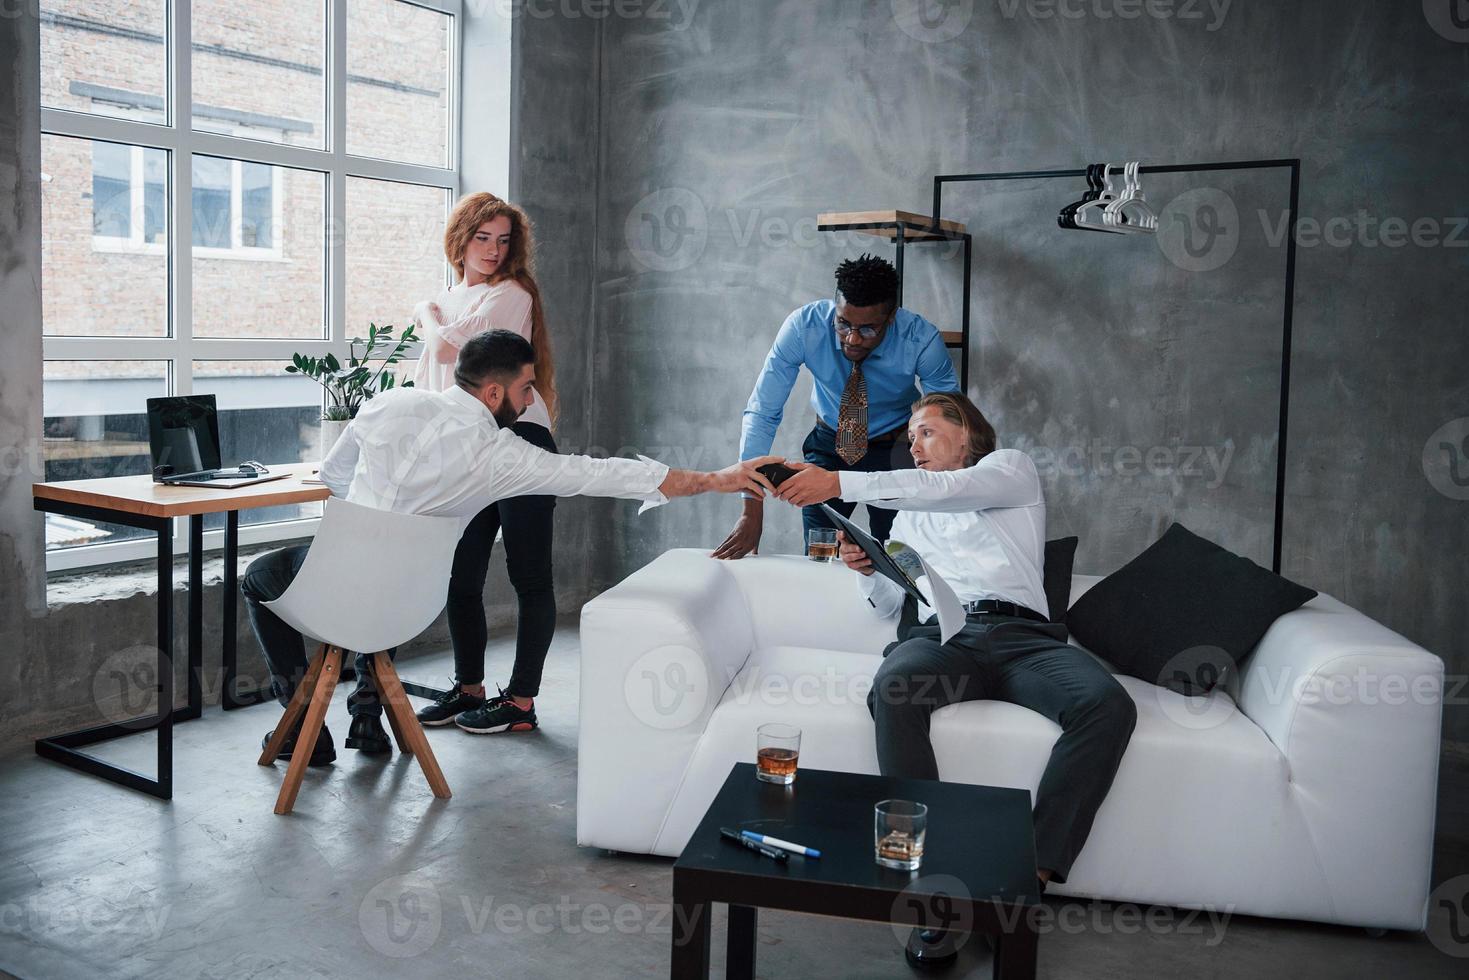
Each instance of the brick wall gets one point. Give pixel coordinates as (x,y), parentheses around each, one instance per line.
(264,58)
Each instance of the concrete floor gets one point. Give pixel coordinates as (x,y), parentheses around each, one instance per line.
(371,877)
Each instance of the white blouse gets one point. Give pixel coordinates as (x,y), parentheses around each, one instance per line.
(466,312)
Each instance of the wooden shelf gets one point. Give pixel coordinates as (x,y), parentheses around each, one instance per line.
(953,338)
(884,224)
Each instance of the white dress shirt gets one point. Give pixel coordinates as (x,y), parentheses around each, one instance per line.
(982,529)
(469,311)
(416,451)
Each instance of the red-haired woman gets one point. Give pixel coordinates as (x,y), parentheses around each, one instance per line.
(489,244)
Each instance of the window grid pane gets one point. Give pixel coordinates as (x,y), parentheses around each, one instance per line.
(265,415)
(95,425)
(259,69)
(106,57)
(106,205)
(395,253)
(398,63)
(259,261)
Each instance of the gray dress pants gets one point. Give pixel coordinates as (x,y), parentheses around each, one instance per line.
(1006,658)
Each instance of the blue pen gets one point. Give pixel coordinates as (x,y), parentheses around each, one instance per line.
(784,845)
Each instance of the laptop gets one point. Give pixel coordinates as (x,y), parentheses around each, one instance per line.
(183,441)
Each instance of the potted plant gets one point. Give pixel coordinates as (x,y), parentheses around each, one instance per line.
(348,387)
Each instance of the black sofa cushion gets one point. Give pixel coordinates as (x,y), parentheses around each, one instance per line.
(1183,613)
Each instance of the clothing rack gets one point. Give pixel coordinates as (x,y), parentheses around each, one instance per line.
(1294,165)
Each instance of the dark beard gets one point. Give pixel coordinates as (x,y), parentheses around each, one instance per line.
(505,415)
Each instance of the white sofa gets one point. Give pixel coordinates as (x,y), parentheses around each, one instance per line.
(1309,794)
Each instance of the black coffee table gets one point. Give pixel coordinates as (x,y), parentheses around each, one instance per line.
(978,871)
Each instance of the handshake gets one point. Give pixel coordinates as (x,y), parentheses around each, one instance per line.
(797,483)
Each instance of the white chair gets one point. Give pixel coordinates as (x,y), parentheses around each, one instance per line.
(372,581)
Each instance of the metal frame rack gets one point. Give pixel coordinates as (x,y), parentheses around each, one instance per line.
(903,226)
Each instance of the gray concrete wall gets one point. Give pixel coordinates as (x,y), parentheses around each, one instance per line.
(22,544)
(554,176)
(727,131)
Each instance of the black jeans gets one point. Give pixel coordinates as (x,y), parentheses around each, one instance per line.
(820,449)
(285,651)
(1005,658)
(528,524)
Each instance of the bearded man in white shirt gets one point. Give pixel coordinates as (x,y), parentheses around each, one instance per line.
(452,453)
(978,517)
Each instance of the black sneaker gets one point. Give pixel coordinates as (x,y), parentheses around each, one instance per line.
(499,714)
(324,754)
(449,704)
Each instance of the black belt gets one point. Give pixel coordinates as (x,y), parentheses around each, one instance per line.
(891,436)
(998,607)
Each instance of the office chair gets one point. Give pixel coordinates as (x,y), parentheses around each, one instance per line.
(373,580)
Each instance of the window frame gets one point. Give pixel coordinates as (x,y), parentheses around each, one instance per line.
(236,249)
(178,137)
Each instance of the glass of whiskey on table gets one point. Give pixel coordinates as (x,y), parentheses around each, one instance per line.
(821,544)
(777,749)
(898,831)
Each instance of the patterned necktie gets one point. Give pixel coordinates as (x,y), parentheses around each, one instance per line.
(852,419)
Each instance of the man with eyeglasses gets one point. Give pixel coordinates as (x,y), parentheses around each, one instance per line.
(864,354)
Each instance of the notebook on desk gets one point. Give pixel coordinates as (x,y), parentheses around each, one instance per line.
(183,443)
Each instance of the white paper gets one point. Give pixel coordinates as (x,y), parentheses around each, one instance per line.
(942,600)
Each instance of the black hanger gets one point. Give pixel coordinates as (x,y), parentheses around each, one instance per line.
(1094,181)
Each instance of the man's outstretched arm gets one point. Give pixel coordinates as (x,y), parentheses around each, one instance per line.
(1004,478)
(514,468)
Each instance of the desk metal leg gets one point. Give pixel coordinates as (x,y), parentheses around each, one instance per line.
(63,748)
(229,700)
(739,956)
(195,677)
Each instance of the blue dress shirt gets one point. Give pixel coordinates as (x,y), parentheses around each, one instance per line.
(912,347)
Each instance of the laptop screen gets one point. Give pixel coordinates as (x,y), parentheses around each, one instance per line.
(183,434)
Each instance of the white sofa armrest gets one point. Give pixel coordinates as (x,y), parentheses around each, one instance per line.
(794,601)
(658,650)
(1355,709)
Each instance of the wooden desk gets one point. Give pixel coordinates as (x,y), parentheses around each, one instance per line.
(137,501)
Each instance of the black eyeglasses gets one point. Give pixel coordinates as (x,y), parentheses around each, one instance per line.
(865,331)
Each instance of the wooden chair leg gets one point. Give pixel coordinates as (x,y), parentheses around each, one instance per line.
(396,701)
(321,697)
(294,709)
(403,744)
